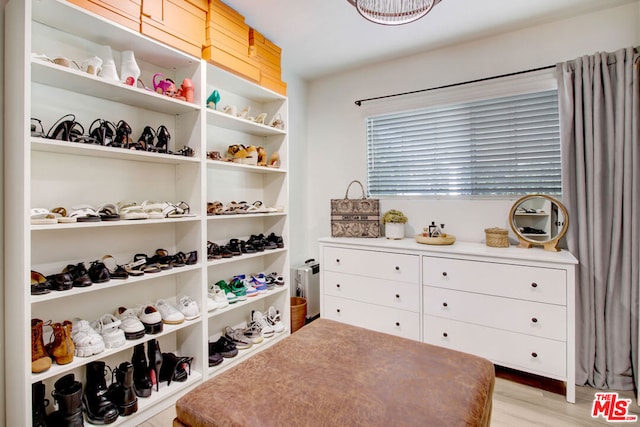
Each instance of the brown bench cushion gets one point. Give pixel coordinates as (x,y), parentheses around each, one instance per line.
(333,374)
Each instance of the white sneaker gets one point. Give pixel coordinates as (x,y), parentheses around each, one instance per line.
(218,295)
(273,317)
(189,308)
(259,318)
(169,313)
(108,326)
(129,323)
(87,342)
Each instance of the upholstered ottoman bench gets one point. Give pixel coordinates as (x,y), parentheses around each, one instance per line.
(333,374)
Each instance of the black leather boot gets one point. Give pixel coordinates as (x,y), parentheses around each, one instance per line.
(155,361)
(100,410)
(68,396)
(121,391)
(38,405)
(141,381)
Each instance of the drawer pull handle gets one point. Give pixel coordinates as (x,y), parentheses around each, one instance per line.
(534,285)
(398,296)
(534,319)
(534,354)
(397,268)
(444,304)
(338,260)
(397,323)
(337,285)
(444,334)
(444,274)
(338,310)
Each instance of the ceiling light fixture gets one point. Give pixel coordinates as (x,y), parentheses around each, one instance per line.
(393,12)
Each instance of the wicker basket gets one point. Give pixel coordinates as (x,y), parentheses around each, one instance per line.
(298,313)
(497,237)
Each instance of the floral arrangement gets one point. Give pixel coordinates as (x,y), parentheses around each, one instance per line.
(394,217)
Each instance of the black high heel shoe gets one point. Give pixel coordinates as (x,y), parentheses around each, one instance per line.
(155,361)
(141,382)
(123,133)
(102,133)
(145,142)
(164,137)
(170,364)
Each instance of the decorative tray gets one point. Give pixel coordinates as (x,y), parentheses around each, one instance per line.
(446,240)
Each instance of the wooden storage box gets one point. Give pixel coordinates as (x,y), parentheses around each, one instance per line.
(275,84)
(228,36)
(239,65)
(219,10)
(178,23)
(123,12)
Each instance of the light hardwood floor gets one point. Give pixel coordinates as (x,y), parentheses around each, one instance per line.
(514,405)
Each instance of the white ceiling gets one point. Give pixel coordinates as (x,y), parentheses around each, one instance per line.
(319,37)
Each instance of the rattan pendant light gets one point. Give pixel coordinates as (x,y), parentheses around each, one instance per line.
(393,12)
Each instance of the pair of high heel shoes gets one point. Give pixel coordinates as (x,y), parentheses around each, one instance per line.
(147,138)
(161,367)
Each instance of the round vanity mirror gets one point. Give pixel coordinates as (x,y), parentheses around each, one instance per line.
(538,219)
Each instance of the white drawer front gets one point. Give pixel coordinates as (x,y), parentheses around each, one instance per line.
(531,354)
(403,296)
(383,265)
(383,319)
(532,318)
(513,281)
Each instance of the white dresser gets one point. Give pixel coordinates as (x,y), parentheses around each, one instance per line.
(510,305)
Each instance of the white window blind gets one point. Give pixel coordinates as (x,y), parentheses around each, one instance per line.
(502,146)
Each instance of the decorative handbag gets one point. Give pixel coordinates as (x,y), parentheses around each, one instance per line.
(355,217)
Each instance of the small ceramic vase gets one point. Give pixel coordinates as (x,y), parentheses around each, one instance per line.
(394,230)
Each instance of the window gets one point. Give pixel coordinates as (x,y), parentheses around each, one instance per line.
(502,146)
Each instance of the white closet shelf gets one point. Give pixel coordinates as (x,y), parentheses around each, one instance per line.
(97,287)
(247,168)
(58,76)
(72,19)
(242,355)
(226,81)
(218,118)
(243,216)
(120,223)
(249,300)
(266,252)
(94,150)
(56,370)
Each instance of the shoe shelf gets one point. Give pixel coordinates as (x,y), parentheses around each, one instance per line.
(218,118)
(236,305)
(165,394)
(219,164)
(242,355)
(57,370)
(242,257)
(113,283)
(120,223)
(71,19)
(245,216)
(74,80)
(94,150)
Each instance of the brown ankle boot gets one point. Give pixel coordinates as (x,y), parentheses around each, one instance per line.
(62,347)
(40,360)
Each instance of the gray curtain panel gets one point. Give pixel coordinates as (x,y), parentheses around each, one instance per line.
(599,123)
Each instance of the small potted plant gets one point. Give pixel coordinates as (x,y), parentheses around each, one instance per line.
(394,222)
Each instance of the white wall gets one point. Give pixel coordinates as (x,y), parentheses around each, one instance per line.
(335,152)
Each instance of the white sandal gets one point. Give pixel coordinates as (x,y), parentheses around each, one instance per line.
(153,209)
(42,216)
(131,210)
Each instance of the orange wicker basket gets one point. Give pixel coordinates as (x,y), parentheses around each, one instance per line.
(298,313)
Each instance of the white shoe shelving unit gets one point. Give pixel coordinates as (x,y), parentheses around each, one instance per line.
(46,173)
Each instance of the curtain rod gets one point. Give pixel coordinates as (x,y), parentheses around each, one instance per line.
(360,101)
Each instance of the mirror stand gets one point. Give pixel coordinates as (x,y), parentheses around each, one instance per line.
(538,219)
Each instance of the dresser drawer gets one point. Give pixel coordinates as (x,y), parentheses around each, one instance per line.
(531,318)
(513,281)
(383,319)
(404,296)
(382,265)
(532,354)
